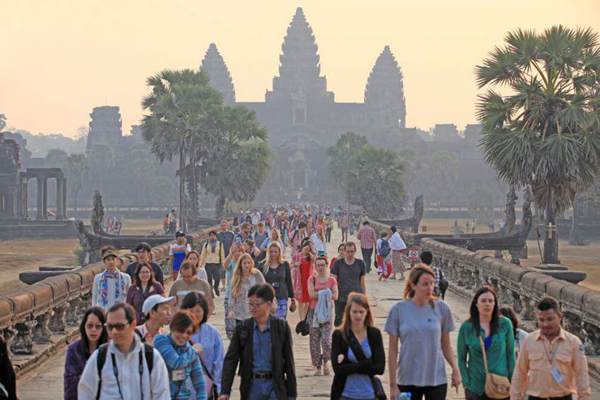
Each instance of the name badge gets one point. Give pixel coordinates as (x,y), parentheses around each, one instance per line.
(557,375)
(178,375)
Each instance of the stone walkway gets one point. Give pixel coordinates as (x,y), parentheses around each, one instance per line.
(47,381)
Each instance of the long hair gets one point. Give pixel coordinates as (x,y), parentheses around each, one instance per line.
(275,231)
(236,281)
(474,311)
(187,257)
(361,300)
(279,258)
(509,312)
(85,342)
(137,279)
(413,278)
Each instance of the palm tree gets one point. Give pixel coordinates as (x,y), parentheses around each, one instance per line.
(545,133)
(339,155)
(185,113)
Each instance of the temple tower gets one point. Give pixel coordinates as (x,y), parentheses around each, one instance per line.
(384,93)
(105,127)
(215,67)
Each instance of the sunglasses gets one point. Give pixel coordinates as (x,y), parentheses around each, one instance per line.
(97,327)
(118,326)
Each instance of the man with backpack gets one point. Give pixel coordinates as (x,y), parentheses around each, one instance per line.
(124,368)
(384,256)
(213,254)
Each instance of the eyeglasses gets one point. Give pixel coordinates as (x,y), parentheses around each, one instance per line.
(144,272)
(118,326)
(96,327)
(256,305)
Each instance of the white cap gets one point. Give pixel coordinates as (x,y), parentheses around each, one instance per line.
(155,300)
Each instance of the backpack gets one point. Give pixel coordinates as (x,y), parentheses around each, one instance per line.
(385,248)
(101,360)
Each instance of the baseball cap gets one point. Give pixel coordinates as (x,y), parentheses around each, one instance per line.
(155,300)
(108,253)
(179,233)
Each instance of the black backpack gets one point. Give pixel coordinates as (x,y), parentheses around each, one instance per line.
(101,360)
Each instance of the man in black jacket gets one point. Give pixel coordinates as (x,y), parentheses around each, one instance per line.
(262,345)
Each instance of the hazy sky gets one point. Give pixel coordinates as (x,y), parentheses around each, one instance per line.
(59,59)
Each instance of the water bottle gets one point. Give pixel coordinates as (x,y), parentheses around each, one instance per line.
(404,396)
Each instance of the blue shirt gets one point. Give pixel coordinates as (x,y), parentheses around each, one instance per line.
(359,386)
(229,277)
(227,239)
(261,348)
(212,351)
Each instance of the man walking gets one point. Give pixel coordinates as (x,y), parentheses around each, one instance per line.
(111,285)
(350,275)
(129,369)
(157,310)
(345,225)
(225,236)
(260,235)
(177,252)
(398,247)
(213,255)
(552,362)
(144,251)
(368,239)
(190,282)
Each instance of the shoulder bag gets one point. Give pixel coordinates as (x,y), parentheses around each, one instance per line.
(496,386)
(360,355)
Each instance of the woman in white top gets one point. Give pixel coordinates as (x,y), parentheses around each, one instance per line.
(318,240)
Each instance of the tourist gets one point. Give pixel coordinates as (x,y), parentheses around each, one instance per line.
(341,254)
(303,268)
(225,236)
(384,257)
(439,284)
(194,257)
(252,250)
(350,275)
(357,352)
(235,226)
(274,237)
(129,368)
(255,217)
(244,277)
(328,227)
(284,234)
(352,223)
(166,225)
(243,234)
(213,255)
(319,240)
(143,287)
(260,235)
(157,314)
(423,325)
(323,290)
(172,222)
(362,218)
(92,334)
(518,333)
(368,240)
(345,225)
(111,285)
(189,282)
(552,362)
(262,346)
(208,338)
(277,273)
(177,252)
(144,251)
(229,266)
(398,248)
(296,238)
(182,361)
(485,334)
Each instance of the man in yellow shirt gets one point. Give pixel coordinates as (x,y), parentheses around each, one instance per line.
(552,362)
(212,257)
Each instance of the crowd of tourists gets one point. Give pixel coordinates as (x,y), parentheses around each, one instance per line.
(138,342)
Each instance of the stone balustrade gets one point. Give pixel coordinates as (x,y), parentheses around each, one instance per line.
(40,317)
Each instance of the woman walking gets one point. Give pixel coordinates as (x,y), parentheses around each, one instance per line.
(323,290)
(143,287)
(194,257)
(485,343)
(303,268)
(518,333)
(244,277)
(182,361)
(423,325)
(277,273)
(319,241)
(92,335)
(357,352)
(237,249)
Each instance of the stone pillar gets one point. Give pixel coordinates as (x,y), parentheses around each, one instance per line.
(64,196)
(59,198)
(40,198)
(45,198)
(24,198)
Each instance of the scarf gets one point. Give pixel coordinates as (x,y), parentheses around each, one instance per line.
(120,287)
(213,245)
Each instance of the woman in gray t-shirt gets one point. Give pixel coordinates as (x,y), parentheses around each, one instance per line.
(423,325)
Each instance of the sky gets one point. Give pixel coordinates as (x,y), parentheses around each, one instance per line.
(61,58)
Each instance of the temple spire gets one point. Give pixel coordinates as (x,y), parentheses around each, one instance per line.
(216,69)
(384,93)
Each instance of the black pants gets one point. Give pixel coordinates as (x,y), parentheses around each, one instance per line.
(430,392)
(367,254)
(213,273)
(328,235)
(339,312)
(469,395)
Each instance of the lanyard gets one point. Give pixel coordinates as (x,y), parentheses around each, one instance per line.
(116,373)
(551,355)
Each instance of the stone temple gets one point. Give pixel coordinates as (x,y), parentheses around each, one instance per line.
(302,116)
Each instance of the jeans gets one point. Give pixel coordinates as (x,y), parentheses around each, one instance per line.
(213,273)
(430,392)
(339,312)
(367,254)
(262,389)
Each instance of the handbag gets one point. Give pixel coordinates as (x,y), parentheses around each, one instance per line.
(214,393)
(360,355)
(303,328)
(496,386)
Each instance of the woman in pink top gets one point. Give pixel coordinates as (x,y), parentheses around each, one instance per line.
(320,331)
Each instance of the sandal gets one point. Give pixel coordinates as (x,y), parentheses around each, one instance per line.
(318,372)
(326,370)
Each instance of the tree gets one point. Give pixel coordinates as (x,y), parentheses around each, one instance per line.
(481,205)
(546,132)
(2,121)
(339,156)
(102,159)
(56,158)
(373,180)
(442,173)
(77,172)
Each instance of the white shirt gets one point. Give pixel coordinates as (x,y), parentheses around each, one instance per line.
(319,244)
(155,387)
(111,292)
(396,242)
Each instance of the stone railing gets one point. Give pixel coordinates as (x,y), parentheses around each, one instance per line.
(39,319)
